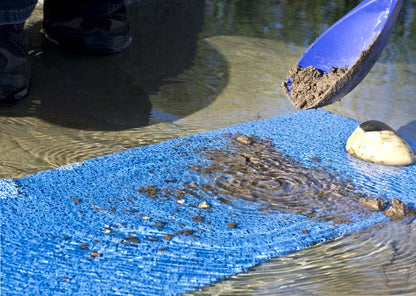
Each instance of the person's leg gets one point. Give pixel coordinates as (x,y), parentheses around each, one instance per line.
(87,26)
(15,69)
(67,10)
(15,11)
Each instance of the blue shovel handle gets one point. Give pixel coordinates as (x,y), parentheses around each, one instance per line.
(365,29)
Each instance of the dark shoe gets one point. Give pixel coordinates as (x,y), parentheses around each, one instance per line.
(15,69)
(91,35)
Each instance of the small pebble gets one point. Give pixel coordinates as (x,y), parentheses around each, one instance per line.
(315,159)
(94,254)
(243,140)
(198,219)
(160,224)
(204,205)
(76,200)
(232,225)
(373,204)
(131,239)
(188,231)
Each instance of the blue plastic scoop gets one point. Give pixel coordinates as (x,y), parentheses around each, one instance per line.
(349,48)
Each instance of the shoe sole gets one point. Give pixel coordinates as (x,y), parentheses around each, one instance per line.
(12,99)
(15,85)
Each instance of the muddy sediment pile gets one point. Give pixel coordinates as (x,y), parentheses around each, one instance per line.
(253,170)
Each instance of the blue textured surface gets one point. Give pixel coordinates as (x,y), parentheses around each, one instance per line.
(52,221)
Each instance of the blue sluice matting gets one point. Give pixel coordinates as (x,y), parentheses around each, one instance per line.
(108,225)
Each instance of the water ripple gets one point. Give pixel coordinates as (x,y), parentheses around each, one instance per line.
(378,261)
(256,172)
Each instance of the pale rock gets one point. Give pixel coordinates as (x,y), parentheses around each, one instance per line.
(376,142)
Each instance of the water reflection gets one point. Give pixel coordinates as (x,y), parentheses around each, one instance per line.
(298,22)
(81,107)
(112,92)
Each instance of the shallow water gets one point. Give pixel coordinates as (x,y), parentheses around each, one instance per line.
(378,261)
(185,74)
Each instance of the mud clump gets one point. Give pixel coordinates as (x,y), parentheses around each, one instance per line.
(396,210)
(310,85)
(373,204)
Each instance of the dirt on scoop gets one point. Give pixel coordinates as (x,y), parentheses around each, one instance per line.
(314,88)
(309,85)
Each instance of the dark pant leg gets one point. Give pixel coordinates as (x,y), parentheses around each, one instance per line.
(15,11)
(69,9)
